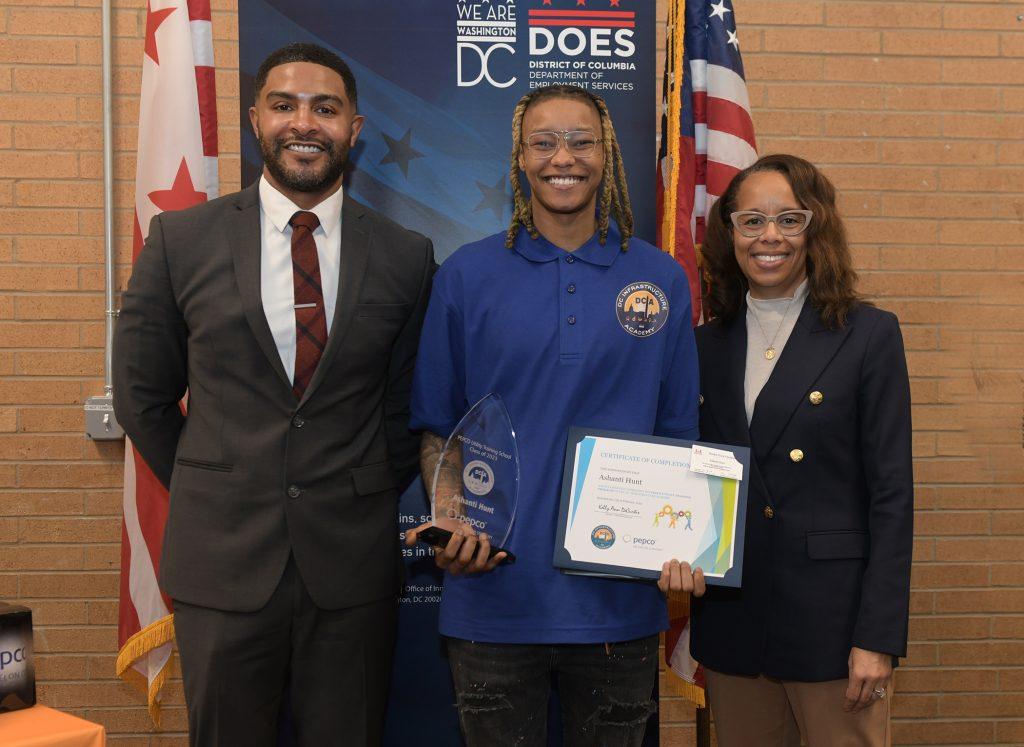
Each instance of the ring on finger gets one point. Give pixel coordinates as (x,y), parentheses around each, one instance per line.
(878,692)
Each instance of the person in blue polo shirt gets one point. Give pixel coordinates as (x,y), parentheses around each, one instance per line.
(571,321)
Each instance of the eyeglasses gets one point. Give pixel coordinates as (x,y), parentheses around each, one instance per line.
(752,224)
(578,143)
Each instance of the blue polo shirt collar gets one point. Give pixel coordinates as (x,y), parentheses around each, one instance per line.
(592,252)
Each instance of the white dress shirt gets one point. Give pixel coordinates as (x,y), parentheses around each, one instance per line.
(277,285)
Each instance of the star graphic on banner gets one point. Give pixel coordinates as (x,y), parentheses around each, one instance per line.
(719,11)
(181,195)
(615,3)
(733,40)
(493,199)
(153,20)
(581,2)
(547,2)
(400,151)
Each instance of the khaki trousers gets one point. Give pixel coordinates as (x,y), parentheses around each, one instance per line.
(764,712)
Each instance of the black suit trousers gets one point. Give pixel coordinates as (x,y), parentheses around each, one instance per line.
(235,667)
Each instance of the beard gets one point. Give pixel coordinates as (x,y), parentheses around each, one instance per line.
(305,178)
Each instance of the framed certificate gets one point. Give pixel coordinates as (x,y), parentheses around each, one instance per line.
(632,502)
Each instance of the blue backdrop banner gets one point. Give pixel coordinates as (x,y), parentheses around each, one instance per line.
(438,80)
(437,83)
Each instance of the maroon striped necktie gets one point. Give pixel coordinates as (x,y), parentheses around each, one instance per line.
(310,316)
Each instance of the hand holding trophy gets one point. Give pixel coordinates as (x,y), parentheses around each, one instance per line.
(473,491)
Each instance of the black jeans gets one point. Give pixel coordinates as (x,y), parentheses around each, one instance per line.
(605,691)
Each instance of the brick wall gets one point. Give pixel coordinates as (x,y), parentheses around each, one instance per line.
(60,493)
(915,109)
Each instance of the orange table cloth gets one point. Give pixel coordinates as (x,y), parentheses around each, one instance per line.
(40,726)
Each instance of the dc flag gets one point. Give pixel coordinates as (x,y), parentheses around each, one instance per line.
(176,168)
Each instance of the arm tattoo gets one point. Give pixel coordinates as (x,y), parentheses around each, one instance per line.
(449,474)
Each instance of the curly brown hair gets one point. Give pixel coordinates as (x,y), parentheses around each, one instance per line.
(831,278)
(614,199)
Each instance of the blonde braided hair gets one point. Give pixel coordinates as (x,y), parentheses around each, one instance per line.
(614,197)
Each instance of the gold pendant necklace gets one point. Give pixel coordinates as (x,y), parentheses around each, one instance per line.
(769,351)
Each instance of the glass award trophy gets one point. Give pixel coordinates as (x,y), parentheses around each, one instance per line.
(476,481)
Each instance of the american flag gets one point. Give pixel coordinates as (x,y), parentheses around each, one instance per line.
(176,168)
(707,137)
(707,133)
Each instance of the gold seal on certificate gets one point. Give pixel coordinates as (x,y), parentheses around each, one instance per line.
(631,502)
(483,450)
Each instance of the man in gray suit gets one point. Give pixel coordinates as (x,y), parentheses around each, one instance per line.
(290,314)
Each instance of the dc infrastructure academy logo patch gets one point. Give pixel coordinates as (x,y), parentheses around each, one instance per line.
(642,309)
(603,537)
(478,477)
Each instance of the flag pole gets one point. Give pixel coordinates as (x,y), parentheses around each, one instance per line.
(108,196)
(100,424)
(703,720)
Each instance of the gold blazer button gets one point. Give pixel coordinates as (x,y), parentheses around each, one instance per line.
(816,398)
(700,399)
(768,513)
(796,455)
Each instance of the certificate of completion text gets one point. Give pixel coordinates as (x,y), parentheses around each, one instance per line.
(635,504)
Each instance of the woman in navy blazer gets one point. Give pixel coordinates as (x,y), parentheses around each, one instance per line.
(813,379)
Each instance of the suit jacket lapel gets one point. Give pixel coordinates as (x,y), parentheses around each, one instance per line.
(243,230)
(726,381)
(355,254)
(808,350)
(728,364)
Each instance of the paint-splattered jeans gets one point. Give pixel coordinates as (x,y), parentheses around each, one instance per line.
(605,691)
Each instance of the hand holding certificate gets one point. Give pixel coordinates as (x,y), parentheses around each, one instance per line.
(630,503)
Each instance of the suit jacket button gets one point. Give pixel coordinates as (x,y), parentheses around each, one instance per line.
(293,491)
(796,455)
(768,512)
(700,400)
(816,398)
(298,422)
